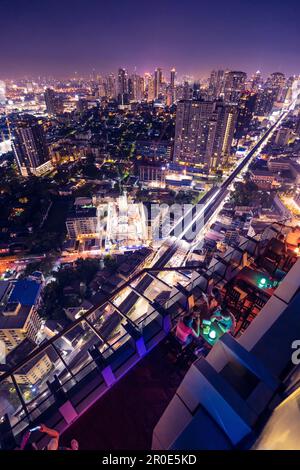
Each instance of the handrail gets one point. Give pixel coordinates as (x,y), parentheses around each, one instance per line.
(106,299)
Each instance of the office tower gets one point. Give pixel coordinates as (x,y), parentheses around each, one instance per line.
(149,81)
(101,87)
(169,96)
(234,86)
(187,91)
(122,86)
(122,81)
(216,84)
(192,130)
(172,85)
(276,82)
(246,108)
(29,145)
(204,131)
(131,96)
(2,93)
(172,77)
(196,91)
(225,117)
(111,86)
(157,82)
(137,87)
(265,100)
(54,103)
(256,81)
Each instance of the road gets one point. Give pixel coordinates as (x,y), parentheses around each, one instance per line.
(214,198)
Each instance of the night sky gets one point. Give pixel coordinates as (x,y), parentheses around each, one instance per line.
(59,37)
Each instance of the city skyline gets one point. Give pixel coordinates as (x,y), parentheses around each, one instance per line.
(168,36)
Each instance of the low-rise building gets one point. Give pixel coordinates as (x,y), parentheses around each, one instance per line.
(18,315)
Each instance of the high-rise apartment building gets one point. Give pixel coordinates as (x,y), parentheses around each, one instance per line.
(256,81)
(149,85)
(157,82)
(54,102)
(122,86)
(246,110)
(234,86)
(216,84)
(204,131)
(172,85)
(111,86)
(277,83)
(266,98)
(29,145)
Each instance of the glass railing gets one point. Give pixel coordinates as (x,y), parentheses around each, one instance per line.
(25,393)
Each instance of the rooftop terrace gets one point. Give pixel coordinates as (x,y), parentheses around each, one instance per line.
(121,368)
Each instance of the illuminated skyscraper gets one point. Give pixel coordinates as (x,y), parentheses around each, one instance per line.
(234,86)
(256,81)
(276,82)
(172,85)
(137,87)
(122,86)
(149,85)
(204,131)
(54,103)
(29,145)
(266,98)
(111,86)
(246,109)
(216,84)
(157,82)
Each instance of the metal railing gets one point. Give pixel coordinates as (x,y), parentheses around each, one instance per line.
(25,394)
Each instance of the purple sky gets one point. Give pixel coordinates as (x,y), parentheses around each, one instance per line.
(59,37)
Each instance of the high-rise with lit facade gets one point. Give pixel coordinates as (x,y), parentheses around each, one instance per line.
(111,86)
(29,145)
(204,132)
(234,86)
(136,87)
(172,84)
(246,109)
(276,81)
(256,81)
(157,82)
(122,87)
(54,103)
(216,84)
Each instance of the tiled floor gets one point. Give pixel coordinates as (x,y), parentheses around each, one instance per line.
(124,418)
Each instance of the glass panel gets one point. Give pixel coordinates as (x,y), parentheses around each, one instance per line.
(108,324)
(131,304)
(10,403)
(79,358)
(154,289)
(140,308)
(151,325)
(32,379)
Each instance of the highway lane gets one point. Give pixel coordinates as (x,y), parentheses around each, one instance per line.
(209,205)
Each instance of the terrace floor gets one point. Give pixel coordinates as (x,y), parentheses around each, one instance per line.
(124,418)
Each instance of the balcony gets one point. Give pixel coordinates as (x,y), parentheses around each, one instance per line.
(116,362)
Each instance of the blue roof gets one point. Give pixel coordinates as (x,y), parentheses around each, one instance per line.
(26,292)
